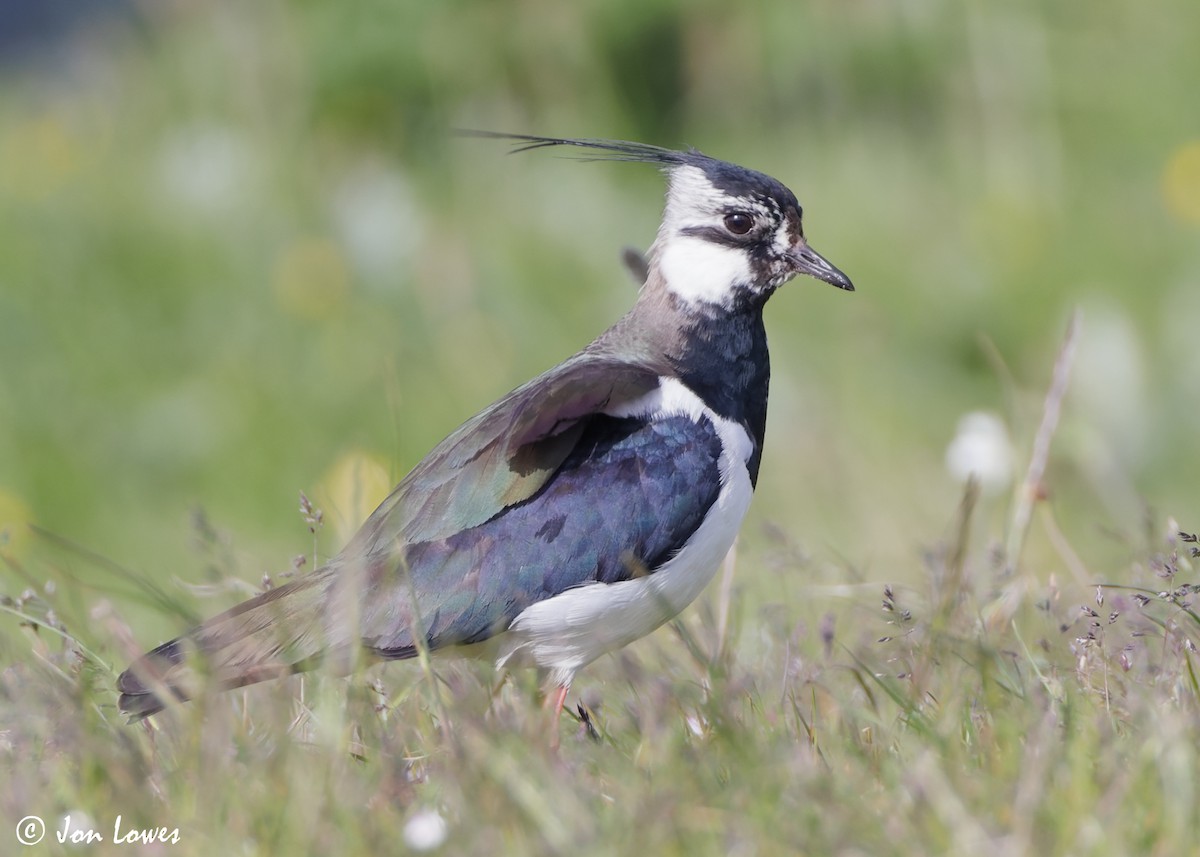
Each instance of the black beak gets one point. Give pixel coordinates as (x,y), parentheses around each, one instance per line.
(808,261)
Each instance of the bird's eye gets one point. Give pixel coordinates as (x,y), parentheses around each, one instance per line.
(739,222)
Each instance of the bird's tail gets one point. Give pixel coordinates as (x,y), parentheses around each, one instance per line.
(283,631)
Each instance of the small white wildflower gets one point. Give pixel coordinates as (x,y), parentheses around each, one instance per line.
(377,220)
(425,831)
(205,167)
(981,448)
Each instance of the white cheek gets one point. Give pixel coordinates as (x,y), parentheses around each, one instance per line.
(700,271)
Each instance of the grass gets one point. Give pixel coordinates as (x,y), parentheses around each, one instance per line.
(943,718)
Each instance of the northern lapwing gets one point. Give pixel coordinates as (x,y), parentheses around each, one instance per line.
(580,511)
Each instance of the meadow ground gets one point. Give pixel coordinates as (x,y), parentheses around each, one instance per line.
(979,712)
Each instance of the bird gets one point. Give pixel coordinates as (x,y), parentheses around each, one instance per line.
(578,512)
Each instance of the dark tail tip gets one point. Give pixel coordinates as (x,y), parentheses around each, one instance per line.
(145,688)
(139,706)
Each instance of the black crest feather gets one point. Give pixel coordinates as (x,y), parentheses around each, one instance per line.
(730,178)
(612,150)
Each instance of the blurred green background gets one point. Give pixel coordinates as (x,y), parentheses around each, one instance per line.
(242,255)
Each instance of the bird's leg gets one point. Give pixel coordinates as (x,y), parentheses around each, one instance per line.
(556,698)
(559,699)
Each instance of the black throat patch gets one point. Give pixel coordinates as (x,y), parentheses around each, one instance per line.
(723,358)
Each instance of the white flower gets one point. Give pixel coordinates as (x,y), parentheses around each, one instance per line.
(981,448)
(377,220)
(205,167)
(425,831)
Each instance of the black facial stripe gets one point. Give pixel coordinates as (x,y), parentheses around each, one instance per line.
(758,243)
(760,209)
(717,235)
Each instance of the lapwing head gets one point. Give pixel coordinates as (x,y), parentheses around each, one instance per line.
(730,236)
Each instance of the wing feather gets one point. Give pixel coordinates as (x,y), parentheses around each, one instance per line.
(542,492)
(502,456)
(629,495)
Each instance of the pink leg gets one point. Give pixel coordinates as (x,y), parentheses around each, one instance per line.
(557,698)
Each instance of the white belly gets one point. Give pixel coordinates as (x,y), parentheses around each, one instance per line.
(570,630)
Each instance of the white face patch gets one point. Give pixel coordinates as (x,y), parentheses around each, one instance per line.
(700,271)
(696,269)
